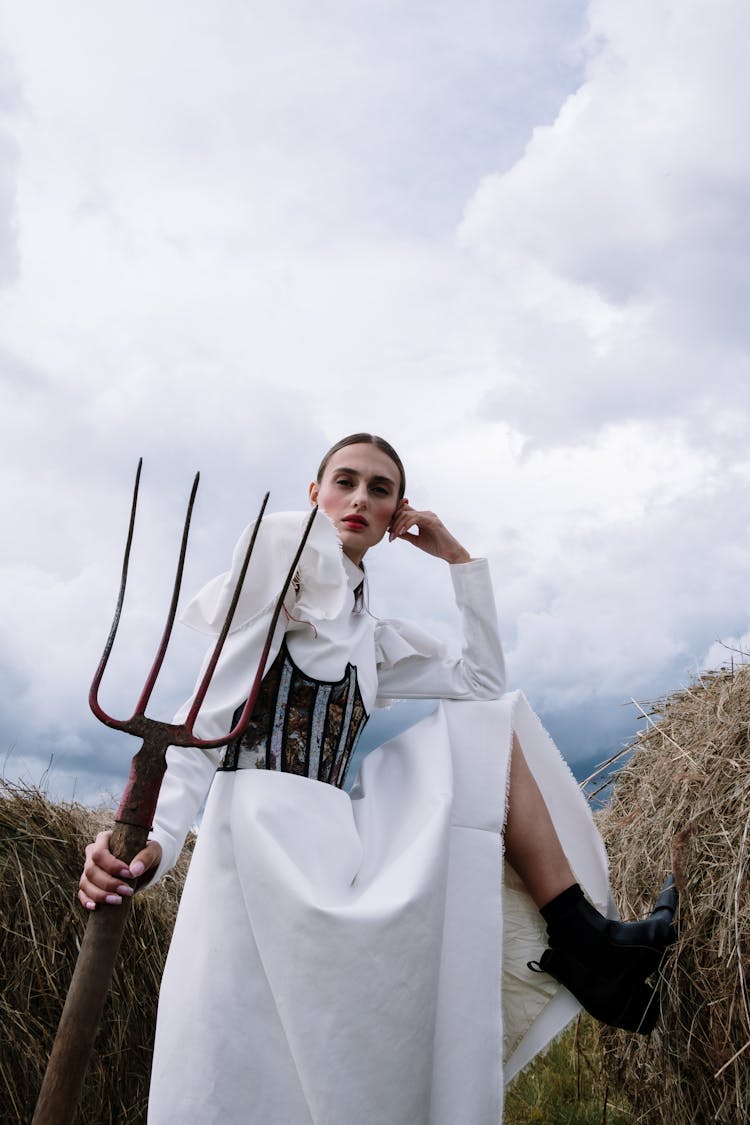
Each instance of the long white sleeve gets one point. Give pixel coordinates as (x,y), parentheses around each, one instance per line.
(414,665)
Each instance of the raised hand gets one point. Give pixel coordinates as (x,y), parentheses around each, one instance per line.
(431,534)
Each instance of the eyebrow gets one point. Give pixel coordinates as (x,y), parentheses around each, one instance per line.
(357,473)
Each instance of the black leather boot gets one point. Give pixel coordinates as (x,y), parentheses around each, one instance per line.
(605,963)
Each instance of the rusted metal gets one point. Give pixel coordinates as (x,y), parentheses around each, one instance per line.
(84,1004)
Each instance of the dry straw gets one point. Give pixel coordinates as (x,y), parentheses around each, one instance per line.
(683,801)
(41,852)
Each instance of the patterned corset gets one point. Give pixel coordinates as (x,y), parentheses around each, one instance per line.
(300,725)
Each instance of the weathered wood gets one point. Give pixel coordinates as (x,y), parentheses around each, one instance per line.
(84,1004)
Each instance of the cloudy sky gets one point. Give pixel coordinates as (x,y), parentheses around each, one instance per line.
(513,238)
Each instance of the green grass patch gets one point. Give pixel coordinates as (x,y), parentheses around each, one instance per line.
(565,1086)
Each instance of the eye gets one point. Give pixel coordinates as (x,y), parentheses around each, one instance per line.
(381,489)
(345,481)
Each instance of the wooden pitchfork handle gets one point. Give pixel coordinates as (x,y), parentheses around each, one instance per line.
(87,992)
(84,1003)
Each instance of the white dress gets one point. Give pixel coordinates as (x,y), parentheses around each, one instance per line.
(360,957)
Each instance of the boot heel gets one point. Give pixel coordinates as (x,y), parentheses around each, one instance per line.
(626,1001)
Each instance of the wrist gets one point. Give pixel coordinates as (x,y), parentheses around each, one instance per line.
(460,555)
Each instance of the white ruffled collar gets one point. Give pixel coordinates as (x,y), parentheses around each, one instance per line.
(355,576)
(325,571)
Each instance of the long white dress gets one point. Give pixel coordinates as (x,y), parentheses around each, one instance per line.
(360,957)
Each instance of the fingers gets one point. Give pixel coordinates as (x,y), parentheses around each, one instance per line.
(431,535)
(103,875)
(146,860)
(407,517)
(105,878)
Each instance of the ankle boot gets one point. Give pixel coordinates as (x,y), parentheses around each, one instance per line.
(605,963)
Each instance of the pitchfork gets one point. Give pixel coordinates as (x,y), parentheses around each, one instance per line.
(88,988)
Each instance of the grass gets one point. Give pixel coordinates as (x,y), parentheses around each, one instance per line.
(565,1086)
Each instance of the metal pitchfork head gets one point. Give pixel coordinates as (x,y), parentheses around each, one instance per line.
(142,789)
(81,1015)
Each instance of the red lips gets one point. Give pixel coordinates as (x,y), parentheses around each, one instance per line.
(355,521)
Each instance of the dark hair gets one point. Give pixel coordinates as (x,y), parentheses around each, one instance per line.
(367,439)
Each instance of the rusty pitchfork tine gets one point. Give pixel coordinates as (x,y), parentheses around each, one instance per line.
(82,1012)
(142,703)
(147,768)
(184,732)
(244,719)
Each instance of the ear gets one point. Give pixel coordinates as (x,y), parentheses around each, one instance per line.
(402,503)
(313,492)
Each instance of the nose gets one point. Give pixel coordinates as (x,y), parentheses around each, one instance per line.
(360,496)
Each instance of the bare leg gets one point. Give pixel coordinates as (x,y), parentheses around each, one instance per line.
(605,964)
(531,842)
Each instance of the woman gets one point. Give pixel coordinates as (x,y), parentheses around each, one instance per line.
(339,959)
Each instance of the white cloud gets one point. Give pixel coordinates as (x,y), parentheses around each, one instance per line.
(647,155)
(624,224)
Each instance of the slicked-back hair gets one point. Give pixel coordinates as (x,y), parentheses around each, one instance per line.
(367,439)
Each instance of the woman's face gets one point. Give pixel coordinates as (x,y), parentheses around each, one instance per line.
(359,494)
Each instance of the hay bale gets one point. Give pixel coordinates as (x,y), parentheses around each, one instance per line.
(41,926)
(683,801)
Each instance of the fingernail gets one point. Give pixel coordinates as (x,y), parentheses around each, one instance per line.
(124,890)
(137,869)
(90,905)
(125,873)
(113,900)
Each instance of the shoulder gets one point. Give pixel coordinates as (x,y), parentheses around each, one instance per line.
(321,579)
